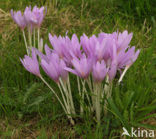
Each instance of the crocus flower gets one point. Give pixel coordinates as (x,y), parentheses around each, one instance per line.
(104,49)
(27,15)
(113,65)
(75,47)
(123,40)
(59,45)
(31,63)
(55,68)
(113,69)
(82,66)
(99,71)
(35,17)
(100,49)
(46,56)
(127,58)
(117,52)
(65,47)
(62,72)
(103,35)
(19,19)
(38,15)
(88,44)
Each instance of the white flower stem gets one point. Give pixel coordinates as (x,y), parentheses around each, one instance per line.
(86,93)
(66,111)
(30,39)
(68,96)
(71,98)
(97,101)
(34,38)
(122,75)
(65,91)
(66,105)
(25,41)
(80,94)
(93,96)
(38,32)
(108,92)
(67,101)
(90,84)
(54,93)
(78,82)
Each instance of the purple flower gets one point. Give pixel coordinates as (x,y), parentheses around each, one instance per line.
(62,71)
(46,56)
(82,66)
(35,17)
(75,47)
(31,63)
(99,71)
(123,40)
(52,64)
(19,19)
(98,47)
(103,35)
(59,45)
(113,69)
(38,15)
(113,65)
(27,15)
(65,47)
(115,50)
(54,68)
(88,44)
(127,58)
(104,49)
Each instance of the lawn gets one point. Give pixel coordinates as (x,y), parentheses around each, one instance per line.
(27,107)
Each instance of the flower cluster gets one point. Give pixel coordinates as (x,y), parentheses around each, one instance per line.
(92,57)
(32,19)
(99,56)
(95,61)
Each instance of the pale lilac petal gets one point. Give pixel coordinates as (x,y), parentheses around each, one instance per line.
(50,70)
(63,72)
(72,71)
(31,64)
(99,71)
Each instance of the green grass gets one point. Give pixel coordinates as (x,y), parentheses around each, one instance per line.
(27,107)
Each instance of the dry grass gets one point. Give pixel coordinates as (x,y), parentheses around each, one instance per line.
(15,129)
(7,27)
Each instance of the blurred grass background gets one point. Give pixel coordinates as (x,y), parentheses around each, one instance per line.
(27,108)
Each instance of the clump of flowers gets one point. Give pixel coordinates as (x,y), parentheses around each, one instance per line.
(94,60)
(32,20)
